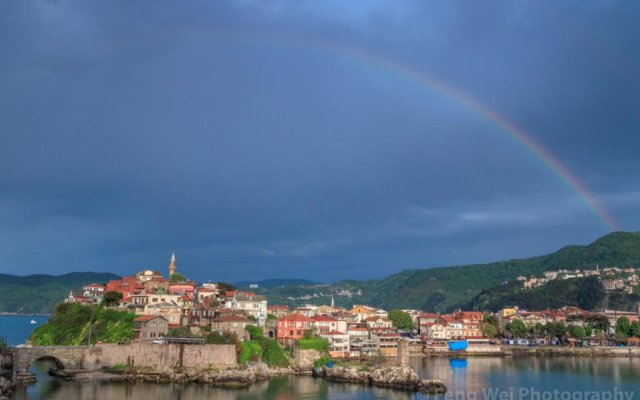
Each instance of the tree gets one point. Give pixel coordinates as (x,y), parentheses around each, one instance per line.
(255,332)
(591,292)
(488,330)
(577,332)
(489,325)
(588,331)
(224,287)
(635,329)
(180,331)
(623,327)
(556,329)
(221,338)
(517,327)
(401,320)
(111,298)
(599,322)
(177,277)
(538,329)
(271,316)
(491,319)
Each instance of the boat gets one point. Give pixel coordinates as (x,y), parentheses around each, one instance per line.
(458,345)
(33,321)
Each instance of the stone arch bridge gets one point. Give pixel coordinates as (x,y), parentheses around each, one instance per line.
(66,357)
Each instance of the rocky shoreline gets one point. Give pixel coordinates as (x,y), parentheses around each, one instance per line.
(401,377)
(6,387)
(238,378)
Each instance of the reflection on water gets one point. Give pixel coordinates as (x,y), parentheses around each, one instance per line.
(543,374)
(473,375)
(279,388)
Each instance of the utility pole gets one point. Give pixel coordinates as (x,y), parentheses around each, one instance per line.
(90,326)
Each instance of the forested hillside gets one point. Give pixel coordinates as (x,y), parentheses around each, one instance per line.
(39,294)
(441,289)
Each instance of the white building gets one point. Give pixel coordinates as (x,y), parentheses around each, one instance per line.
(252,305)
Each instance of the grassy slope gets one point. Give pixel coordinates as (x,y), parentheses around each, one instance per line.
(72,323)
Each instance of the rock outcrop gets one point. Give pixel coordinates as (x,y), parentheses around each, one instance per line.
(347,374)
(253,373)
(401,377)
(6,387)
(241,377)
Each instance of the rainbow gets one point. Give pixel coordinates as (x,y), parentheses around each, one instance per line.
(430,82)
(506,126)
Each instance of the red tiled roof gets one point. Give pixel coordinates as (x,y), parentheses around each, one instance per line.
(470,314)
(231,318)
(145,318)
(295,317)
(320,318)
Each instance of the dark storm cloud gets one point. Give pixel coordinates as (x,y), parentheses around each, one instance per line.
(241,136)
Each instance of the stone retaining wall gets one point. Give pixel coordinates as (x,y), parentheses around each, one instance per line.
(169,357)
(305,358)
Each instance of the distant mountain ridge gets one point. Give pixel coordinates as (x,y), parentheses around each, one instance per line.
(39,293)
(272,283)
(446,288)
(434,289)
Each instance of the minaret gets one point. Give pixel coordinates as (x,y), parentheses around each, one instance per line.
(332,303)
(172,264)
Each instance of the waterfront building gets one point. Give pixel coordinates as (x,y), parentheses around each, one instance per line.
(150,327)
(292,327)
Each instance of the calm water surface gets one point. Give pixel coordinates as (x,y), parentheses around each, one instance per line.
(471,379)
(18,328)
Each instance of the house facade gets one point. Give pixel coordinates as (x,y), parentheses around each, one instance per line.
(233,324)
(292,327)
(150,327)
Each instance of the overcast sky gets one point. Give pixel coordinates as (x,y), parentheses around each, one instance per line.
(285,139)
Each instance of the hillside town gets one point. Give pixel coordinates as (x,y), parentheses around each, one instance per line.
(624,280)
(175,306)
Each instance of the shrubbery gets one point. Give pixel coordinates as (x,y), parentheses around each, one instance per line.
(262,348)
(75,324)
(318,344)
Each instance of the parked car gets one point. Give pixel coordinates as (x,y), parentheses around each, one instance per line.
(160,340)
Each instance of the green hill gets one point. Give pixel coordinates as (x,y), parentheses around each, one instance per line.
(441,289)
(38,294)
(586,293)
(75,324)
(434,289)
